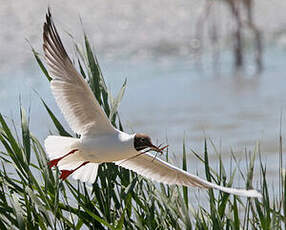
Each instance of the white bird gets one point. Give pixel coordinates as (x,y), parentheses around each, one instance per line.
(99,141)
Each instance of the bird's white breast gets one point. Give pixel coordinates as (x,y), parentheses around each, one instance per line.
(107,148)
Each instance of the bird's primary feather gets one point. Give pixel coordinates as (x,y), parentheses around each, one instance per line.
(72,93)
(156,169)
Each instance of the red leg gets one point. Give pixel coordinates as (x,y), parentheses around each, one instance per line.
(66,173)
(55,162)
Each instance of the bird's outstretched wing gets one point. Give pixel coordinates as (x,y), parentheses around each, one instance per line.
(72,93)
(153,168)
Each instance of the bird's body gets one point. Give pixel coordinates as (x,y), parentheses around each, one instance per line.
(107,148)
(99,141)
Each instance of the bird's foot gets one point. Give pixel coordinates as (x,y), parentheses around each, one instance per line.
(55,162)
(65,173)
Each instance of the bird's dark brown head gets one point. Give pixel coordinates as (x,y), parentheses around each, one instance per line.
(143,141)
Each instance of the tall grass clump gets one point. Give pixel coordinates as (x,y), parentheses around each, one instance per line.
(32,196)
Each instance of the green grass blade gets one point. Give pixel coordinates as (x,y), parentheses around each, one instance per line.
(18,211)
(25,135)
(56,122)
(207,169)
(251,171)
(120,223)
(41,65)
(235,215)
(94,78)
(81,70)
(9,135)
(100,220)
(185,188)
(116,102)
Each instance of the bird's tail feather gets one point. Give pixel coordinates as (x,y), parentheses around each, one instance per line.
(87,173)
(58,146)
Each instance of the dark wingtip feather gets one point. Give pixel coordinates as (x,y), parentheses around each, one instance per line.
(48,25)
(48,15)
(49,11)
(45,31)
(52,45)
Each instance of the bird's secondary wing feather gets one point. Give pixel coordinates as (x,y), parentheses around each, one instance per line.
(156,169)
(72,93)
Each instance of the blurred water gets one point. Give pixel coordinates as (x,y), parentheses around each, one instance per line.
(172,99)
(166,96)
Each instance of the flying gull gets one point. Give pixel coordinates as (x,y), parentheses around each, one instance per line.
(99,141)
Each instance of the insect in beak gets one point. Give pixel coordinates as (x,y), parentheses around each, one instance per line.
(158,149)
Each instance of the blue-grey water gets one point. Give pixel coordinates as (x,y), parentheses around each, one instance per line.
(167,95)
